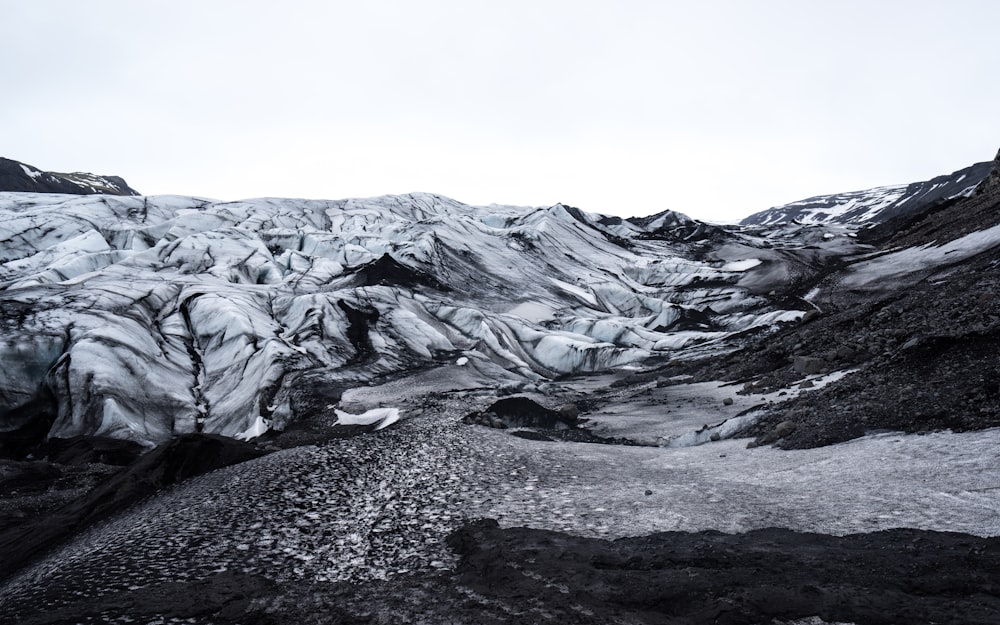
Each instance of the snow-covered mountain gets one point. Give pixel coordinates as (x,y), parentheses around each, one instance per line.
(874,205)
(147,317)
(16,176)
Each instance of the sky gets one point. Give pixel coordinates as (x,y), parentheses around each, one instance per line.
(714,108)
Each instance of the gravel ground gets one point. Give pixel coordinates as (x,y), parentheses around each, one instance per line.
(379,506)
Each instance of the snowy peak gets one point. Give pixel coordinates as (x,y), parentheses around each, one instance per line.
(20,177)
(874,205)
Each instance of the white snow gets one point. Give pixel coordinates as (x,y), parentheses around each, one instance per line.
(741,265)
(379,417)
(913,259)
(259,427)
(532,311)
(33,173)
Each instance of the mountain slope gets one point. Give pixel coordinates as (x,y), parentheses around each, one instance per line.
(15,176)
(916,322)
(874,205)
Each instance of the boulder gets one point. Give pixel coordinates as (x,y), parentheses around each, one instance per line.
(784,428)
(808,365)
(521,412)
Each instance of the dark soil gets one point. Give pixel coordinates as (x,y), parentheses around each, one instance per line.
(521,576)
(170,463)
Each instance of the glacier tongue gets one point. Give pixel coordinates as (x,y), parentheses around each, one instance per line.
(146,317)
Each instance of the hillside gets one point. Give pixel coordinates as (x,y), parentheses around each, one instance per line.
(15,176)
(875,205)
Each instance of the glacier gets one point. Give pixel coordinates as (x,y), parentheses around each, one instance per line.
(146,317)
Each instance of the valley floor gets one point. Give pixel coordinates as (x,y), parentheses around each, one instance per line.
(330,527)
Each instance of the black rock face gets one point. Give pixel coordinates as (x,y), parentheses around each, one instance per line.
(19,177)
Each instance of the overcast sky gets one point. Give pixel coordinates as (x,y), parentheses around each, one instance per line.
(713,108)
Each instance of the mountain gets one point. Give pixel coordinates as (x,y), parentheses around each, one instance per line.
(874,205)
(409,409)
(19,177)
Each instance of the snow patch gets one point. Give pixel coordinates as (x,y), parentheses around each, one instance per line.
(741,265)
(259,427)
(379,417)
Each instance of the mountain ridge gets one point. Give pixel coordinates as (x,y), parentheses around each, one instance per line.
(20,177)
(875,205)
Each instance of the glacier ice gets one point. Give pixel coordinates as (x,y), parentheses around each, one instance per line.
(146,317)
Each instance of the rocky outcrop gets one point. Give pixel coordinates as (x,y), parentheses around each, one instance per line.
(15,176)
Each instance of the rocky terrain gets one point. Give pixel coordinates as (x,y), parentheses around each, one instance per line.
(16,176)
(410,410)
(875,205)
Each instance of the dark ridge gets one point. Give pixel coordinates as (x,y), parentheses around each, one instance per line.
(387,271)
(576,214)
(916,199)
(170,463)
(762,576)
(880,233)
(579,216)
(15,176)
(936,190)
(944,220)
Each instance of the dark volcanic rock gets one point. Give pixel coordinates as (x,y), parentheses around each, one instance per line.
(169,463)
(88,449)
(524,412)
(889,577)
(225,597)
(15,176)
(516,413)
(521,576)
(925,348)
(387,271)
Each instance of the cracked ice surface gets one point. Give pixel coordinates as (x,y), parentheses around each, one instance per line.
(151,316)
